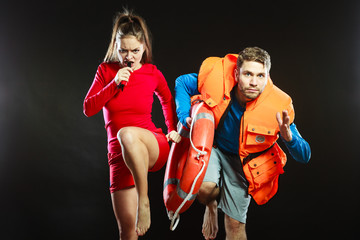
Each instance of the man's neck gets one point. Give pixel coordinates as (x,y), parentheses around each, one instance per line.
(240,99)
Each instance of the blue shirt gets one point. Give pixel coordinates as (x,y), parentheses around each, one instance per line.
(227,137)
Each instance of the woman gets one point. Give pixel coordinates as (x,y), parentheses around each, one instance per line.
(123,87)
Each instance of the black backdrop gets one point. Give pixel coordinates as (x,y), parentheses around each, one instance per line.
(53,166)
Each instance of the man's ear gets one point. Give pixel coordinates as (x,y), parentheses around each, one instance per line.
(236,74)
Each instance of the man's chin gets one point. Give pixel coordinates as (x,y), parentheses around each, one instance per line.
(252,96)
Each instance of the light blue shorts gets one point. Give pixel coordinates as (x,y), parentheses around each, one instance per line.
(226,171)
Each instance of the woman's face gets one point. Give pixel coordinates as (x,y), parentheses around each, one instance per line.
(129,49)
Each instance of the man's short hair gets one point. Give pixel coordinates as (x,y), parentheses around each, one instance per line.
(254,54)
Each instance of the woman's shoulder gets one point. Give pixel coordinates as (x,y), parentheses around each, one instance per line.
(108,70)
(109,66)
(149,68)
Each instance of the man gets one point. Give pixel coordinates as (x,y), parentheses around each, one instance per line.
(250,113)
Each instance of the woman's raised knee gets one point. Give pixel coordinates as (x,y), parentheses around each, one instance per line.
(126,136)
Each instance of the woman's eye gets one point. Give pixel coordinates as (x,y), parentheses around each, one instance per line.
(136,51)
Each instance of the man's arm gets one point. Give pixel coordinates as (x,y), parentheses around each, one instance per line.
(297,146)
(185,87)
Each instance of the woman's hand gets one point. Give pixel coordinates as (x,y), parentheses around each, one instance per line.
(173,136)
(123,75)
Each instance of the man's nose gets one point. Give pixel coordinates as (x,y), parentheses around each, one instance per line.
(253,81)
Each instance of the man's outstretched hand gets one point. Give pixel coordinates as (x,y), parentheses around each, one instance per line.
(284,125)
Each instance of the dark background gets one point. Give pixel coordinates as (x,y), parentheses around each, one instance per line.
(53,165)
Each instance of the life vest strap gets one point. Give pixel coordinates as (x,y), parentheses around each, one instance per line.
(251,156)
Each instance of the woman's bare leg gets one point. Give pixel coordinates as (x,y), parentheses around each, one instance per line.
(125,204)
(140,151)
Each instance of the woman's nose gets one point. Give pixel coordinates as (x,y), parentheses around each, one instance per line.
(128,55)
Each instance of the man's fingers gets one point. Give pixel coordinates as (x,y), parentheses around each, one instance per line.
(278,118)
(286,117)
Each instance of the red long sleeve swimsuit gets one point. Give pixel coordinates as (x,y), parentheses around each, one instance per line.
(133,105)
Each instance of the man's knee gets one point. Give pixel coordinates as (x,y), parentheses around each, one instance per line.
(233,223)
(234,228)
(207,192)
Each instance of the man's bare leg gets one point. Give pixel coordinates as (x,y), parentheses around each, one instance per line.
(207,195)
(210,223)
(234,229)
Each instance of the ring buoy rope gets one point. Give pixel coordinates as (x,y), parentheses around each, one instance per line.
(187,163)
(176,215)
(191,128)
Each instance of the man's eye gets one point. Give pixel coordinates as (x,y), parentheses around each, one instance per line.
(261,75)
(136,51)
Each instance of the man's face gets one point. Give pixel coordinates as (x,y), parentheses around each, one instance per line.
(251,78)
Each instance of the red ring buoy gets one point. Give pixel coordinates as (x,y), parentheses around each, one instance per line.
(187,162)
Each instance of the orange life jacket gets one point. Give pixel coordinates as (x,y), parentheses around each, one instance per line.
(259,128)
